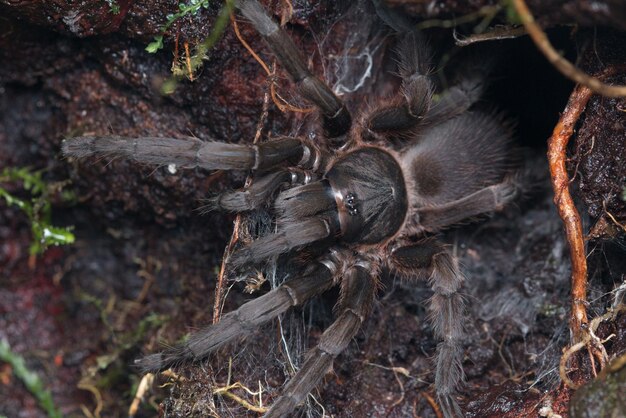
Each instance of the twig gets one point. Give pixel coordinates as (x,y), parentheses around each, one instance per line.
(221,277)
(557,147)
(226,391)
(281,103)
(144,386)
(563,65)
(432,404)
(496,34)
(588,338)
(188,61)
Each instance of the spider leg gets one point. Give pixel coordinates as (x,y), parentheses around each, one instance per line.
(357,294)
(467,89)
(192,152)
(305,214)
(260,191)
(458,98)
(254,196)
(489,199)
(446,313)
(335,116)
(397,21)
(247,318)
(407,110)
(291,236)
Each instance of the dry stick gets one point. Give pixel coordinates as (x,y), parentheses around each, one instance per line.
(433,404)
(589,338)
(188,61)
(221,277)
(557,147)
(496,34)
(282,104)
(144,386)
(564,66)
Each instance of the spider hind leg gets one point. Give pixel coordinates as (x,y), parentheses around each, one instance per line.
(446,313)
(487,200)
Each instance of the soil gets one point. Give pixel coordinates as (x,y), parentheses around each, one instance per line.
(143,269)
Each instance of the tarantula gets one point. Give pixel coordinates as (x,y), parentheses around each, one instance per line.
(371,195)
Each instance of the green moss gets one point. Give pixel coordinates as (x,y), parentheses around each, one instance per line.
(200,52)
(109,369)
(37,206)
(30,379)
(114,8)
(193,7)
(510,13)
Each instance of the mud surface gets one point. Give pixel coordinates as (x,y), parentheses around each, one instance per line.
(143,269)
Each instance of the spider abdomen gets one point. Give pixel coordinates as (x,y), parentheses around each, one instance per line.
(371,195)
(458,157)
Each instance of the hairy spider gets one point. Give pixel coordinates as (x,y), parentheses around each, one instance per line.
(370,195)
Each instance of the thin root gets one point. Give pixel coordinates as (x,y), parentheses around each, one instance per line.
(281,103)
(564,66)
(144,385)
(226,391)
(433,404)
(557,147)
(90,387)
(496,34)
(591,341)
(615,221)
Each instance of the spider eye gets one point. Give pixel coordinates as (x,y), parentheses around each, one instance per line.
(350,202)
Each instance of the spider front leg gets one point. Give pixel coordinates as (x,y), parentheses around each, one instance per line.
(407,109)
(335,116)
(446,312)
(461,96)
(358,289)
(192,152)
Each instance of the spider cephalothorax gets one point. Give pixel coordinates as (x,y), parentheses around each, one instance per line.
(370,195)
